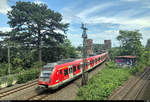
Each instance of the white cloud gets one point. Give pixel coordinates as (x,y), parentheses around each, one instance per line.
(145,35)
(95,8)
(69,16)
(39,2)
(134,23)
(4,7)
(125,19)
(76,39)
(105,35)
(5,29)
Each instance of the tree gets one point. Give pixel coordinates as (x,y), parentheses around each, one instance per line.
(147,52)
(69,51)
(130,43)
(148,43)
(36,25)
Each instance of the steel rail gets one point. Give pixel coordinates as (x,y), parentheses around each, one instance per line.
(8,92)
(137,81)
(120,90)
(140,90)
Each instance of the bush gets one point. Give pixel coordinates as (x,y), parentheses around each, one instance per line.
(9,81)
(0,83)
(101,85)
(37,65)
(27,75)
(3,69)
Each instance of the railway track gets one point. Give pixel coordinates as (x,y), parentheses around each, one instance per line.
(11,91)
(38,97)
(133,91)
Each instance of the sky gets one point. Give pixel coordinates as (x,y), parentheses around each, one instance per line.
(103,18)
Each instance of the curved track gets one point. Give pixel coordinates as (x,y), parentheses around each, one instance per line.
(133,90)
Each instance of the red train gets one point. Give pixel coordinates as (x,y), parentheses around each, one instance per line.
(54,75)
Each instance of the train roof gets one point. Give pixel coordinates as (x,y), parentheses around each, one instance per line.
(65,60)
(126,57)
(49,65)
(69,61)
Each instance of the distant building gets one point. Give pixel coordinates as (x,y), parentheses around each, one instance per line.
(125,60)
(99,48)
(107,44)
(89,43)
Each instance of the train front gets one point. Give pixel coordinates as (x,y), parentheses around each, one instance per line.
(45,75)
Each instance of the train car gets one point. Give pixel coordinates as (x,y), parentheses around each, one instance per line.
(56,74)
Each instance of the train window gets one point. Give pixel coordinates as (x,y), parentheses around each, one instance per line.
(95,60)
(74,68)
(60,71)
(88,63)
(66,71)
(91,62)
(70,69)
(81,66)
(78,67)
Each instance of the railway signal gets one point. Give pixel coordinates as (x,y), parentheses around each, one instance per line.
(84,74)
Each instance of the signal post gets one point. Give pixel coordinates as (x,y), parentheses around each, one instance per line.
(84,74)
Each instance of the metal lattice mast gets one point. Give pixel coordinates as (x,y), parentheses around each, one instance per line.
(84,73)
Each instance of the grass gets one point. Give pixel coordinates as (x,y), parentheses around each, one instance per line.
(102,84)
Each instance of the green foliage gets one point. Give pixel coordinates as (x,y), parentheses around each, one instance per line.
(101,85)
(9,81)
(0,83)
(3,69)
(113,52)
(69,51)
(37,65)
(131,44)
(148,43)
(36,24)
(28,75)
(111,65)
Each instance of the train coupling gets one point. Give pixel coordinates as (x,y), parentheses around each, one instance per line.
(43,86)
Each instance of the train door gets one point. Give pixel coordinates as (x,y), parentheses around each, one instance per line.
(102,58)
(70,72)
(74,69)
(60,75)
(66,74)
(88,64)
(79,68)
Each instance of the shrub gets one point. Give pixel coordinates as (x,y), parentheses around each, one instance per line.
(27,75)
(101,85)
(9,81)
(0,83)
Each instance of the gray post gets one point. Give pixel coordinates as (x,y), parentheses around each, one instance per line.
(8,59)
(84,73)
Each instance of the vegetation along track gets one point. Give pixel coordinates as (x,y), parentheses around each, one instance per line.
(24,86)
(133,91)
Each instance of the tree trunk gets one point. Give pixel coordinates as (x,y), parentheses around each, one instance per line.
(39,46)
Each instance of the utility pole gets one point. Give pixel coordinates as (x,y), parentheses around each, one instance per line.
(8,59)
(84,73)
